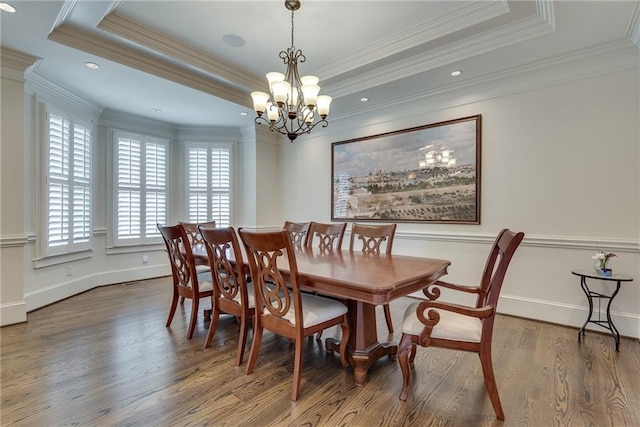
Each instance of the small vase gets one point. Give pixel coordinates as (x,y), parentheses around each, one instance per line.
(606,272)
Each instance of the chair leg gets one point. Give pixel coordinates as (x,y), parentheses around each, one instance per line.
(412,354)
(387,316)
(172,310)
(242,339)
(195,302)
(404,348)
(490,382)
(215,316)
(297,368)
(255,346)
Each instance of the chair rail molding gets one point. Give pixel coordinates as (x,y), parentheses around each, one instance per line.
(563,242)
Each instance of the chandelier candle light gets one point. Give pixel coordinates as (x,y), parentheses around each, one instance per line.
(293,103)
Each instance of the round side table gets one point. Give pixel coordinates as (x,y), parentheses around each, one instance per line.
(606,324)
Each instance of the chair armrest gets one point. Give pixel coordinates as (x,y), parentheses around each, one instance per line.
(433,316)
(433,292)
(480,313)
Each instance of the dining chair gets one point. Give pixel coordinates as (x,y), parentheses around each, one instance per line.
(375,239)
(441,324)
(289,313)
(193,233)
(299,232)
(195,240)
(231,292)
(187,282)
(328,236)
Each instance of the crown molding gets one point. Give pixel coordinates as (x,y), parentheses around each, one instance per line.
(15,60)
(86,41)
(506,35)
(134,123)
(157,41)
(633,32)
(426,31)
(44,87)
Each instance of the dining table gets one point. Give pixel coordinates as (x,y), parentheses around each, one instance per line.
(363,281)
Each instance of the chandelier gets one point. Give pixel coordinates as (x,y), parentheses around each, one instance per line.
(292,105)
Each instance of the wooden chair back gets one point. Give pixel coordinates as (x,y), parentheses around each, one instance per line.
(180,256)
(299,232)
(373,238)
(329,236)
(265,252)
(230,289)
(224,254)
(493,274)
(191,228)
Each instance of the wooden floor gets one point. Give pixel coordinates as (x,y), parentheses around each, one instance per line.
(105,358)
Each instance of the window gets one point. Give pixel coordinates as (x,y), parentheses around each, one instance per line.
(209,183)
(68,184)
(141,189)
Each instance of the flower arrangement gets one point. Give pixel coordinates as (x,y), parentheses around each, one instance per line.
(602,259)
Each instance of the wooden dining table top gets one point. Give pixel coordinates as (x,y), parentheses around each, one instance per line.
(374,279)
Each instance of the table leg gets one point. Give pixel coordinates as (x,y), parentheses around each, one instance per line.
(614,330)
(583,284)
(363,349)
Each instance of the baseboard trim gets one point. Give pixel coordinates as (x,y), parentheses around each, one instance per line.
(60,291)
(13,313)
(628,324)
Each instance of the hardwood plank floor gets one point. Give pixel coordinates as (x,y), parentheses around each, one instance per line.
(105,358)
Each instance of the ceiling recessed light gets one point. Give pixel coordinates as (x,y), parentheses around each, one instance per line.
(456,73)
(92,65)
(364,99)
(7,7)
(244,113)
(233,40)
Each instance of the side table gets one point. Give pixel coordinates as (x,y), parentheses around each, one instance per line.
(606,324)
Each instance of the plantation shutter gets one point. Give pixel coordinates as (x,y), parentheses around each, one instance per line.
(68,221)
(220,186)
(209,184)
(142,188)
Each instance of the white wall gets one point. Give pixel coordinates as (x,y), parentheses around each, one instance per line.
(561,163)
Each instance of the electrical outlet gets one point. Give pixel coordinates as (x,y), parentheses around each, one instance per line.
(69,270)
(145,259)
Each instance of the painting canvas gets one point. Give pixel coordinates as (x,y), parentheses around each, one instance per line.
(428,173)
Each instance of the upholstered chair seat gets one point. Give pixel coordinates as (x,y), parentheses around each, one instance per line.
(452,326)
(315,310)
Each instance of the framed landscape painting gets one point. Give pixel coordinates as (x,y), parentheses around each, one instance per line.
(429,173)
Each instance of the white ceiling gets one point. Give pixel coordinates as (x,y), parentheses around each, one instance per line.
(171,55)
